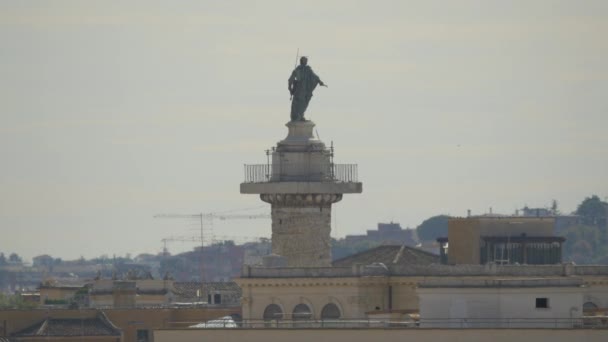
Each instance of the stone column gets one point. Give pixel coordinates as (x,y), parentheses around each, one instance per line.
(301,227)
(301,189)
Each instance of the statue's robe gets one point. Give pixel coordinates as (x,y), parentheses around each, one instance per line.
(303,81)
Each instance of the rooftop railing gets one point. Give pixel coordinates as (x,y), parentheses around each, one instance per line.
(450,323)
(267,173)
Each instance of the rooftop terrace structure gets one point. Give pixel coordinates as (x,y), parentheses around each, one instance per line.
(503,240)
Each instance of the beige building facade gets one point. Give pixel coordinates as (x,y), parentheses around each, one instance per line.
(506,240)
(57,294)
(501,303)
(361,292)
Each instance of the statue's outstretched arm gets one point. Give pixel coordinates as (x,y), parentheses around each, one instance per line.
(319,80)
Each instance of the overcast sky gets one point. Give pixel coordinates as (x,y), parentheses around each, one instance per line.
(114,111)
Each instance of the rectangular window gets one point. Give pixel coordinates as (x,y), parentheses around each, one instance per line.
(542,303)
(142,336)
(217,299)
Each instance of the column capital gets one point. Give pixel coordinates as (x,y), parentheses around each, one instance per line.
(305,200)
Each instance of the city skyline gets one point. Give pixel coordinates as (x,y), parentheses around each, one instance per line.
(114,112)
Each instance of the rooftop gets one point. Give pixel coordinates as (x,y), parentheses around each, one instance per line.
(428,270)
(389,255)
(63,327)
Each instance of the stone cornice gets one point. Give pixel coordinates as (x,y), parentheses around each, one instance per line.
(380,281)
(312,282)
(301,199)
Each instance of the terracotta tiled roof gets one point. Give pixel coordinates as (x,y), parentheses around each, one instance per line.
(152,291)
(101,292)
(186,289)
(64,283)
(98,326)
(389,255)
(223,286)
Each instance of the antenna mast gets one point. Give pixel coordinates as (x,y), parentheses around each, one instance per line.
(295,66)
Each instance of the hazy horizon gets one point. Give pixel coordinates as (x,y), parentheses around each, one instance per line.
(113,112)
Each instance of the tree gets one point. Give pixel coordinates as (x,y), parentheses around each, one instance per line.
(14,302)
(593,211)
(433,227)
(2,259)
(179,266)
(44,260)
(14,258)
(583,244)
(554,207)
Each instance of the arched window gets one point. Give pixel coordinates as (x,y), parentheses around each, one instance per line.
(589,306)
(330,311)
(273,311)
(301,312)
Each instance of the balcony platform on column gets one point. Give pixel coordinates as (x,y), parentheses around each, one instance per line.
(301,182)
(302,188)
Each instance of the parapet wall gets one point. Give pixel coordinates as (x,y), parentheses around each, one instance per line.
(295,272)
(487,270)
(591,270)
(436,270)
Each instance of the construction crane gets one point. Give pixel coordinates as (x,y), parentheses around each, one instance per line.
(202,217)
(168,239)
(236,239)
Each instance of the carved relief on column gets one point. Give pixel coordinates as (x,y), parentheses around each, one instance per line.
(301,200)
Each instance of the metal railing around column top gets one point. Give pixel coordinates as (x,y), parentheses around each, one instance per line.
(266,173)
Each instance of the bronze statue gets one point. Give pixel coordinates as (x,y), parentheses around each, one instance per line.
(301,84)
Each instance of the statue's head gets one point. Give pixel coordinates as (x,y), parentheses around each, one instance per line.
(303,60)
